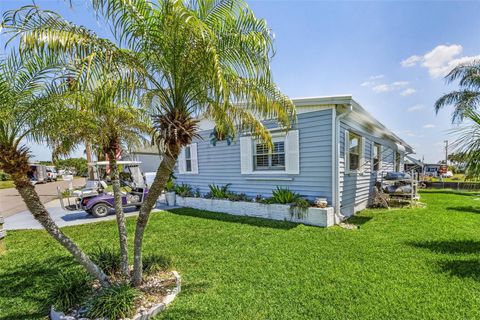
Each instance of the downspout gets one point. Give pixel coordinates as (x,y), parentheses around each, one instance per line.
(336,163)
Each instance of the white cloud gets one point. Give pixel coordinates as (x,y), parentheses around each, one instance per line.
(415,108)
(429,126)
(440,60)
(411,61)
(372,80)
(408,92)
(386,87)
(378,76)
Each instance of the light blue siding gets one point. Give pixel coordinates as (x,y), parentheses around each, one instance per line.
(356,187)
(220,164)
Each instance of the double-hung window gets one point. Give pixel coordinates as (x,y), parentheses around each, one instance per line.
(377,156)
(355,150)
(265,158)
(188,159)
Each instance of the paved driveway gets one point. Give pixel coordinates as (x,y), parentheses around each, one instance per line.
(63,218)
(11,202)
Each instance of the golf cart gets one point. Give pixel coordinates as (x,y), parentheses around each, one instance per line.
(95,200)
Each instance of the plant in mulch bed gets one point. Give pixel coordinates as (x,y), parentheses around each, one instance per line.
(107,259)
(184,190)
(117,301)
(298,204)
(153,263)
(70,290)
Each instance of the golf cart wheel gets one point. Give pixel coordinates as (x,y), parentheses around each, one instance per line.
(100,210)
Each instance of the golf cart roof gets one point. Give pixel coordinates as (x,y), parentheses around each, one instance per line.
(106,163)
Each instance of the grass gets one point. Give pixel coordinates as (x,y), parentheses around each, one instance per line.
(400,264)
(457,177)
(6,184)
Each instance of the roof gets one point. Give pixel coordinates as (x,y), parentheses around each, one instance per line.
(347,99)
(307,104)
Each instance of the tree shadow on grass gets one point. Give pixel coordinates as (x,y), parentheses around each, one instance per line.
(467,209)
(225,217)
(461,268)
(358,220)
(449,247)
(28,284)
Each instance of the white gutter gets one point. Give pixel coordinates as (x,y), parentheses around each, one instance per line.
(336,162)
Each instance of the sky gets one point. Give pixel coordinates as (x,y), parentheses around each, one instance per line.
(392,56)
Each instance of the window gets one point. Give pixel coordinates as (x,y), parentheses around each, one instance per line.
(354,151)
(377,156)
(188,159)
(266,159)
(397,161)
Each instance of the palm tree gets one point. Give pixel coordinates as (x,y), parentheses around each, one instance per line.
(467,98)
(467,144)
(115,124)
(208,58)
(30,112)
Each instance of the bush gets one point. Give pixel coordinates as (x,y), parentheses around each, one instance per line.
(238,197)
(154,263)
(69,290)
(170,186)
(108,259)
(114,302)
(184,190)
(218,192)
(5,176)
(284,196)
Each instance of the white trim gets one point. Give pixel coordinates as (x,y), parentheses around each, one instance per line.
(246,155)
(182,164)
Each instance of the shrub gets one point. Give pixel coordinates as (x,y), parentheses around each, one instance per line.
(170,186)
(219,192)
(184,190)
(69,290)
(154,263)
(108,259)
(238,197)
(114,302)
(5,176)
(284,196)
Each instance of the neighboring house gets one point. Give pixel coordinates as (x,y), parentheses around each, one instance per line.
(412,164)
(335,150)
(431,169)
(149,158)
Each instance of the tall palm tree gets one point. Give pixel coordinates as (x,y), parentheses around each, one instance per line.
(467,98)
(208,58)
(30,112)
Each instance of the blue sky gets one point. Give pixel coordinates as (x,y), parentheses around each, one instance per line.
(390,55)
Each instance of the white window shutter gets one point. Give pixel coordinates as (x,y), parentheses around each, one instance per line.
(292,152)
(246,156)
(181,162)
(362,154)
(346,156)
(193,153)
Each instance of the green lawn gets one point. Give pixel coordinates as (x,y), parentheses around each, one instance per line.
(6,184)
(400,264)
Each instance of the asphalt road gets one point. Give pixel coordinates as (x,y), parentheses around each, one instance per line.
(11,203)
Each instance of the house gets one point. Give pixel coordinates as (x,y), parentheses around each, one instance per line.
(412,164)
(335,150)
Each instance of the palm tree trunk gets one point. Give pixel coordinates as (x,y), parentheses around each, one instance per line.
(32,200)
(117,198)
(163,174)
(88,151)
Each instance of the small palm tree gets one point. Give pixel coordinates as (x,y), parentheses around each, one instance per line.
(201,58)
(467,98)
(115,124)
(30,112)
(467,145)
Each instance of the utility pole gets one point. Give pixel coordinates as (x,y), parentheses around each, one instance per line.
(446,152)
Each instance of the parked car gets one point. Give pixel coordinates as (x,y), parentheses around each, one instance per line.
(52,174)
